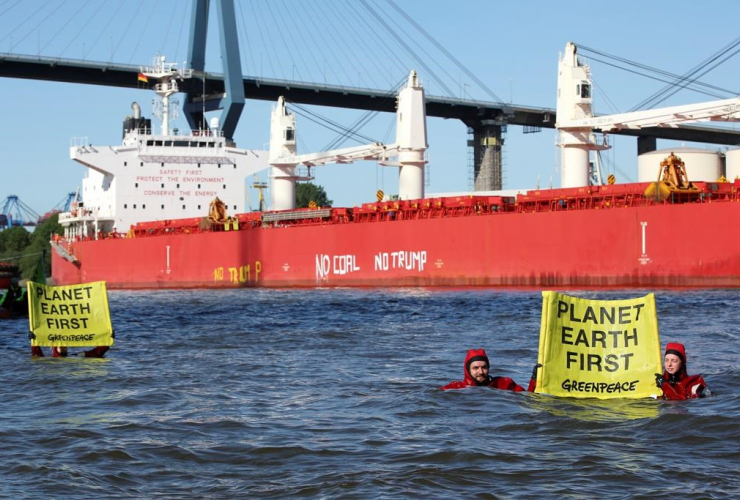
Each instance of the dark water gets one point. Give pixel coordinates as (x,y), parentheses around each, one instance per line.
(334,394)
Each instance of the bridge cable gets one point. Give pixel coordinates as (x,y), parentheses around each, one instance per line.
(265,46)
(282,38)
(73,16)
(166,35)
(9,8)
(299,29)
(125,32)
(179,36)
(32,29)
(414,40)
(248,52)
(331,52)
(342,48)
(406,47)
(399,62)
(446,52)
(105,28)
(89,20)
(355,35)
(143,30)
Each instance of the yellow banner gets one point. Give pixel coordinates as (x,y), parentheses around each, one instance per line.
(72,316)
(598,348)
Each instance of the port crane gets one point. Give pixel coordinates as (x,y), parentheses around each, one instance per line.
(15,213)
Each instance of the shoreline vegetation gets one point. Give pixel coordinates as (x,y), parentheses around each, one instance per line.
(23,248)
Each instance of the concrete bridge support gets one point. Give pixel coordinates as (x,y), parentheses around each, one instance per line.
(487,144)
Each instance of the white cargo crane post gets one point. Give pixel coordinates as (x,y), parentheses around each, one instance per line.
(576,122)
(410,146)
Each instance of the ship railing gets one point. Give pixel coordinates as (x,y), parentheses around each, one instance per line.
(321,213)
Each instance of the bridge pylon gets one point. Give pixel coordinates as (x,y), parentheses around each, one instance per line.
(198,101)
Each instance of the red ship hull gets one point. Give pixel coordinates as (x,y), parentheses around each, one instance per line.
(610,236)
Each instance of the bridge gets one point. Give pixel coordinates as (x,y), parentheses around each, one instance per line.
(485,119)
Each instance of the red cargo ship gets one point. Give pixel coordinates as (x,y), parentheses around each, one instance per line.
(667,233)
(581,237)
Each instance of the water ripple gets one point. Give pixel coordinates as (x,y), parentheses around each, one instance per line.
(335,394)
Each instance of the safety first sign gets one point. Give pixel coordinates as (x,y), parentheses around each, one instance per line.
(598,348)
(72,316)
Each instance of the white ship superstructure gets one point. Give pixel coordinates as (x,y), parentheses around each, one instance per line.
(152,177)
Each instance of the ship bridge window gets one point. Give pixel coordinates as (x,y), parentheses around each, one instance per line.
(224,186)
(143,206)
(125,205)
(583,90)
(125,163)
(162,164)
(198,165)
(211,144)
(163,185)
(134,205)
(136,185)
(162,207)
(289,134)
(219,165)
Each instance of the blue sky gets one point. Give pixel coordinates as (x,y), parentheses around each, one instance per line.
(512,46)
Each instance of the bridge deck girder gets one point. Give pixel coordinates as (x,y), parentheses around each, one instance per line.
(469,111)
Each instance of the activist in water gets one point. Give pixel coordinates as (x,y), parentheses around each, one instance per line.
(476,374)
(675,382)
(61,352)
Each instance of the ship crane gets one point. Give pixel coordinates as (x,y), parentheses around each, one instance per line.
(576,122)
(409,148)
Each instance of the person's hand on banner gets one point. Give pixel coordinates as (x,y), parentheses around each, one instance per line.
(659,380)
(534,370)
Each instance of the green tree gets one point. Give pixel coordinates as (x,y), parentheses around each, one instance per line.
(306,192)
(40,244)
(13,240)
(17,243)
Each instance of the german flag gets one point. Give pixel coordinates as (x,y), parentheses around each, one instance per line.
(143,78)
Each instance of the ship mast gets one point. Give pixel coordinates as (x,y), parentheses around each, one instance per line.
(166,74)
